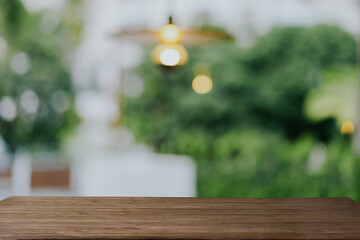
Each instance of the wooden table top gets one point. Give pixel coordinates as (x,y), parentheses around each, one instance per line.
(178,218)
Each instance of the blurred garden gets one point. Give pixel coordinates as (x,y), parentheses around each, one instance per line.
(278,117)
(36,89)
(271,124)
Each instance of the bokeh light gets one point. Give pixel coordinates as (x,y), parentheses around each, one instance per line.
(8,110)
(60,101)
(169,57)
(170,33)
(20,63)
(347,128)
(29,101)
(170,54)
(202,84)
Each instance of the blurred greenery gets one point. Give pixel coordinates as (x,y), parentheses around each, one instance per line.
(337,96)
(270,127)
(48,78)
(253,135)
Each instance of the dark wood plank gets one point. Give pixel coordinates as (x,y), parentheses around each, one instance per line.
(178,218)
(58,178)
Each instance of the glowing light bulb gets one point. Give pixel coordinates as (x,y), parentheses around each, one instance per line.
(169,57)
(169,54)
(170,33)
(202,84)
(347,128)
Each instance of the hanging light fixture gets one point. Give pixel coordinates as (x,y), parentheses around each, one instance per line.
(170,33)
(170,52)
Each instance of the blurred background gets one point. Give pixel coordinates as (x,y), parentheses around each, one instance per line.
(207,98)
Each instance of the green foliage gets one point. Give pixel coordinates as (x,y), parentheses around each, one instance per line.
(336,97)
(250,135)
(46,77)
(277,168)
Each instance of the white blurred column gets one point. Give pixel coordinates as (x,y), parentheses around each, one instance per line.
(21,174)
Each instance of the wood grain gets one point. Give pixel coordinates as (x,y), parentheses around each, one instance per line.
(178,218)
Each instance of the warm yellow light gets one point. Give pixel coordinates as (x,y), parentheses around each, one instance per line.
(202,84)
(169,57)
(347,128)
(170,33)
(170,54)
